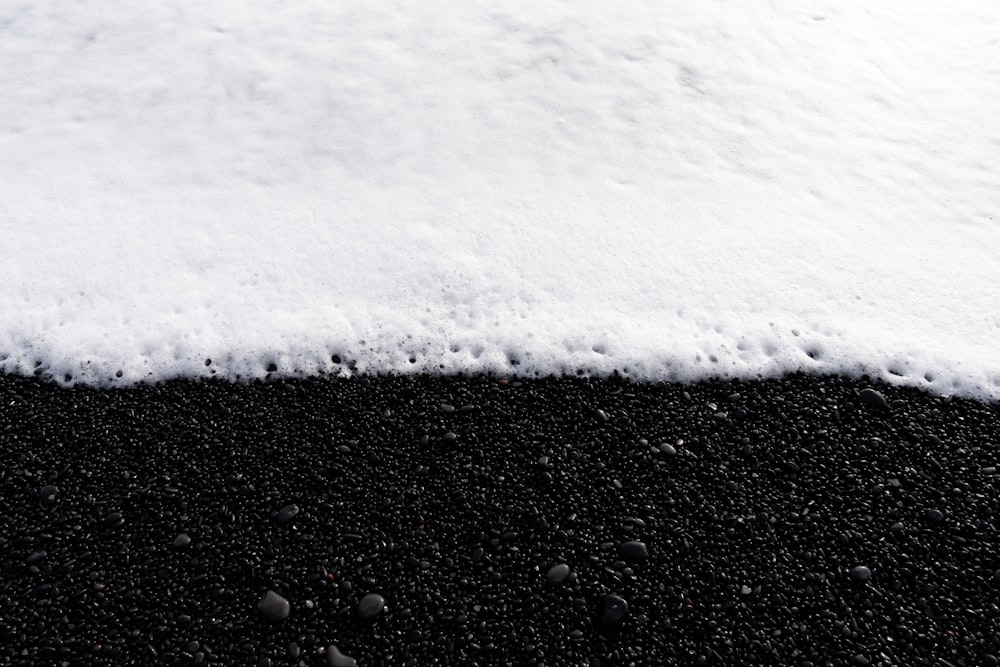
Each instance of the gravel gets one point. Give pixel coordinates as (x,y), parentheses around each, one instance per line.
(539,522)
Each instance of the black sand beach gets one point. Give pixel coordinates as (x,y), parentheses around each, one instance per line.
(480,521)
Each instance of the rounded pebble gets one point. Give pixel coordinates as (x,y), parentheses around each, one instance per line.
(557,573)
(274,607)
(287,513)
(872,398)
(611,613)
(334,658)
(371,606)
(634,551)
(47,495)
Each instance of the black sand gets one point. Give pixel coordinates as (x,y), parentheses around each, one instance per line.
(790,522)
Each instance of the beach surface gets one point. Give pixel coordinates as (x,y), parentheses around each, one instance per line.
(481,520)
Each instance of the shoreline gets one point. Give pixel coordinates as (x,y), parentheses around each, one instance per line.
(790,521)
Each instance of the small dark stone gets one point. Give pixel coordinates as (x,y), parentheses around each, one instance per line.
(449,438)
(115,519)
(668,450)
(274,607)
(182,540)
(611,613)
(371,606)
(634,551)
(287,513)
(934,515)
(47,495)
(334,658)
(861,573)
(557,573)
(601,416)
(873,399)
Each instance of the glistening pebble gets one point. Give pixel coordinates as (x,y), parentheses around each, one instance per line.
(270,523)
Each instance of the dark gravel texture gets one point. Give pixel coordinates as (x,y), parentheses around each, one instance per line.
(451,521)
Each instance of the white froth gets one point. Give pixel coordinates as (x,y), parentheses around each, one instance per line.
(672,190)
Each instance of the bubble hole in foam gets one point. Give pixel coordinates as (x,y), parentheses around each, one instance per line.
(671,191)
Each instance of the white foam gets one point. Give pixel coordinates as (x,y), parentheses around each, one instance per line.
(675,191)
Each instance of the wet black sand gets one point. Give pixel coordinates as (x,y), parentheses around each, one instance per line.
(783,522)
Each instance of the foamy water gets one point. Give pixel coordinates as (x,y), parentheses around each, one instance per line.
(673,191)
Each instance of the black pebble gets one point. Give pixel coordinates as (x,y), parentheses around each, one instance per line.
(274,607)
(47,495)
(334,658)
(557,573)
(287,513)
(611,613)
(873,398)
(634,551)
(371,606)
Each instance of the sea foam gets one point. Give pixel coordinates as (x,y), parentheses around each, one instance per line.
(670,192)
